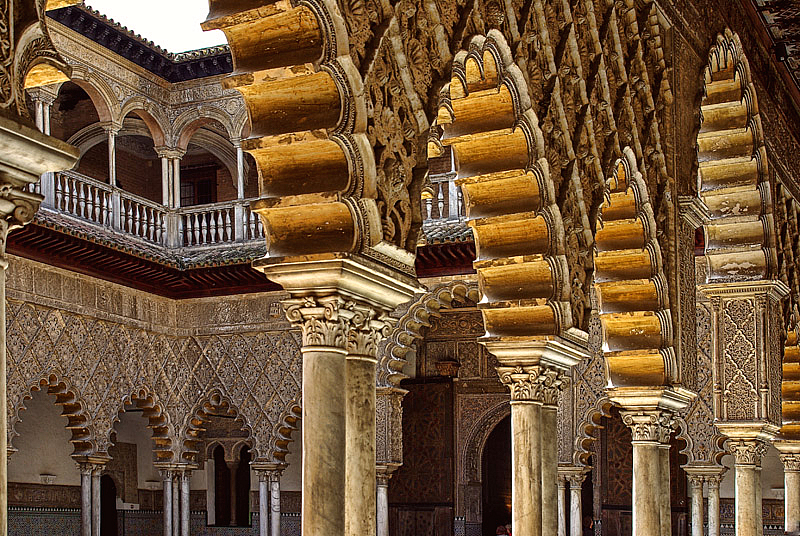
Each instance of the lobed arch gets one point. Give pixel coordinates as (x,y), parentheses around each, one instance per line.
(232,451)
(158,421)
(733,173)
(409,328)
(631,289)
(485,116)
(152,115)
(308,116)
(191,436)
(281,436)
(790,385)
(73,408)
(189,122)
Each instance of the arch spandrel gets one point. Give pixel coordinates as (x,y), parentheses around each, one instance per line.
(733,175)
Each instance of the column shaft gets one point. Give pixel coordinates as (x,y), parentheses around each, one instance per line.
(696,485)
(275,505)
(360,492)
(745,502)
(167,476)
(576,507)
(176,506)
(4,401)
(792,498)
(549,469)
(39,115)
(240,171)
(112,157)
(646,488)
(96,500)
(562,506)
(86,501)
(165,188)
(186,478)
(263,505)
(665,495)
(176,182)
(323,441)
(713,507)
(46,117)
(526,467)
(383,506)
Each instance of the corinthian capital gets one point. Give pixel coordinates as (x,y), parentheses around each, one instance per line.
(655,425)
(367,330)
(791,463)
(319,319)
(533,383)
(747,452)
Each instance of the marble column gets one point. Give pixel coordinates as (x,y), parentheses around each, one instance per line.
(530,388)
(275,503)
(86,499)
(713,505)
(696,490)
(665,496)
(550,467)
(263,503)
(576,505)
(324,412)
(176,505)
(97,471)
(791,479)
(166,477)
(238,213)
(269,497)
(111,136)
(185,478)
(562,506)
(176,182)
(650,429)
(360,479)
(384,474)
(747,456)
(234,467)
(165,181)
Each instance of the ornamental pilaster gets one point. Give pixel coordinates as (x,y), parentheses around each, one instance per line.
(655,426)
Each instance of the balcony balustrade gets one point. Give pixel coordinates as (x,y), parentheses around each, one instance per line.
(445,202)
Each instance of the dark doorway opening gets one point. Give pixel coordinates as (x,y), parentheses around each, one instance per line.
(243,488)
(222,491)
(108,506)
(497,478)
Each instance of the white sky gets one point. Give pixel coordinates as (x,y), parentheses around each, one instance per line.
(171,24)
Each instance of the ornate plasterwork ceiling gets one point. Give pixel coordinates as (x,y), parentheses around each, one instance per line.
(782,19)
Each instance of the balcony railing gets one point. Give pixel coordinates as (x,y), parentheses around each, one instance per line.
(93,201)
(446,202)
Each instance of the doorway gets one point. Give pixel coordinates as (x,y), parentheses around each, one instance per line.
(108,506)
(497,478)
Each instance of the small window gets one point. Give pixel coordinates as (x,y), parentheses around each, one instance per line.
(198,185)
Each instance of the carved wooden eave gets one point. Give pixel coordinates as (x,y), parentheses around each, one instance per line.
(733,174)
(632,295)
(485,115)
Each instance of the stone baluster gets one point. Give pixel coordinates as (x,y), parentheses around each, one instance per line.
(790,456)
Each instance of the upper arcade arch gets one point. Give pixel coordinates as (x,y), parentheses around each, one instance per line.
(733,175)
(152,116)
(101,94)
(189,123)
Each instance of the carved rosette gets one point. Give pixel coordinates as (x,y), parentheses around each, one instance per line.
(649,426)
(533,383)
(791,462)
(747,452)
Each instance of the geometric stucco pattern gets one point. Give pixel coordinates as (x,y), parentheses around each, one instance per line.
(95,365)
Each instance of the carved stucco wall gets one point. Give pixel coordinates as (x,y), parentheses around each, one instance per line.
(107,342)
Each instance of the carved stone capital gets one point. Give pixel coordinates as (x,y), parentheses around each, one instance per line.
(576,480)
(367,331)
(651,426)
(383,473)
(791,463)
(319,320)
(696,481)
(269,472)
(747,452)
(533,383)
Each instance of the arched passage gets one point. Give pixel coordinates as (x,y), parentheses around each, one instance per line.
(497,478)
